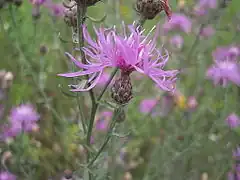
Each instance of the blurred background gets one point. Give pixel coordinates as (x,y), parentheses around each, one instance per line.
(190,134)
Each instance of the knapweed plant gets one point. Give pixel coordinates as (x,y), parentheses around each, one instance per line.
(119,89)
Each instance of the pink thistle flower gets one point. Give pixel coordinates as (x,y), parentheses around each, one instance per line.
(5,175)
(178,22)
(22,118)
(223,71)
(207,31)
(37,2)
(233,121)
(147,105)
(177,41)
(203,6)
(226,52)
(57,9)
(133,52)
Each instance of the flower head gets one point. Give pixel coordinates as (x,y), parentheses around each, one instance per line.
(223,71)
(149,9)
(207,31)
(22,118)
(132,52)
(226,52)
(233,121)
(177,41)
(203,6)
(147,105)
(5,175)
(178,22)
(37,2)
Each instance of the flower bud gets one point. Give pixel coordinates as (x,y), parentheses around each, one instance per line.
(148,9)
(192,103)
(121,90)
(70,14)
(43,50)
(6,81)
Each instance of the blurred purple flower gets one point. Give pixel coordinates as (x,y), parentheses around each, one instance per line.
(147,105)
(233,176)
(177,41)
(212,4)
(236,153)
(37,2)
(226,52)
(166,104)
(192,103)
(233,121)
(4,175)
(102,122)
(178,22)
(56,9)
(23,118)
(203,6)
(129,52)
(223,71)
(207,31)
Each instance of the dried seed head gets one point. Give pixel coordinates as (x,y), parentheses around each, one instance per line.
(148,9)
(121,90)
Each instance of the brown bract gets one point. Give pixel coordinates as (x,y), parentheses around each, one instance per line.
(148,9)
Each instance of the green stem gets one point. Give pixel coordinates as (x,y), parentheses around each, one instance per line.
(107,139)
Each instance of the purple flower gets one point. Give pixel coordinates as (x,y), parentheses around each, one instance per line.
(23,118)
(236,153)
(233,176)
(178,22)
(147,105)
(226,52)
(177,41)
(204,5)
(129,52)
(57,9)
(207,31)
(223,71)
(102,122)
(37,2)
(233,121)
(4,175)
